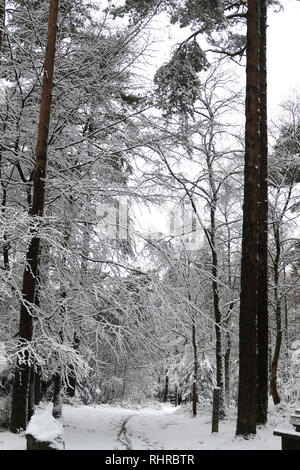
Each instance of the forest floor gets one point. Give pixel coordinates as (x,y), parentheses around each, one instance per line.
(156,427)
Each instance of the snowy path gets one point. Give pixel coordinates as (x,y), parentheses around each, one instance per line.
(95,428)
(157,427)
(105,427)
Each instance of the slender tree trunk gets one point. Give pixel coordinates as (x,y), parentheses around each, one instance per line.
(287,360)
(227,368)
(275,360)
(195,378)
(227,354)
(19,416)
(286,318)
(2,25)
(37,388)
(31,393)
(159,389)
(166,389)
(246,421)
(4,186)
(124,381)
(219,358)
(3,211)
(214,271)
(274,366)
(262,300)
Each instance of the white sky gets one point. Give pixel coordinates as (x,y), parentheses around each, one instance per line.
(283,68)
(282,49)
(283,54)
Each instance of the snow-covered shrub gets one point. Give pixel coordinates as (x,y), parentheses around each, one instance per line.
(44,433)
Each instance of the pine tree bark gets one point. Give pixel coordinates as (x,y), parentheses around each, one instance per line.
(262,300)
(246,421)
(19,416)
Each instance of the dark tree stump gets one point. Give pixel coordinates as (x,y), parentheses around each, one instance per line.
(34,444)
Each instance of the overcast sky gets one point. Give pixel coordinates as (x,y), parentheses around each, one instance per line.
(283,61)
(283,50)
(283,53)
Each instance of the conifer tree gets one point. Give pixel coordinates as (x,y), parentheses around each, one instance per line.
(20,399)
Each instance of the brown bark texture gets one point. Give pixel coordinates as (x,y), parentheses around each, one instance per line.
(246,422)
(262,297)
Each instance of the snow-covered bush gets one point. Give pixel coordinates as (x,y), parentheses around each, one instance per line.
(44,433)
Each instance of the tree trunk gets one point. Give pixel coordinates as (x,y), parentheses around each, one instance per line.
(2,24)
(287,359)
(124,382)
(219,359)
(3,185)
(262,300)
(166,389)
(246,421)
(274,365)
(57,403)
(37,388)
(215,411)
(214,271)
(3,211)
(195,378)
(31,393)
(19,416)
(227,368)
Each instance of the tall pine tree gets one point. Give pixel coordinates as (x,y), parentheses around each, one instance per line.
(246,422)
(20,399)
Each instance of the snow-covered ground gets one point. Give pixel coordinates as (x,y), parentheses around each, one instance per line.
(157,427)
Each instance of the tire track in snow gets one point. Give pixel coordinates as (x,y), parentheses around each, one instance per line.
(122,436)
(138,437)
